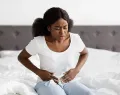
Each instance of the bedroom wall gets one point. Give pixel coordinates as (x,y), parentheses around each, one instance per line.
(83,12)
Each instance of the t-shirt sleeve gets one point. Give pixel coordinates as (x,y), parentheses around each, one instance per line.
(80,44)
(32,47)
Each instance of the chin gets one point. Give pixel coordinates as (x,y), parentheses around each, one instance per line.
(61,38)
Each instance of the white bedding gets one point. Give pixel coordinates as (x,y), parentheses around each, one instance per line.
(101,73)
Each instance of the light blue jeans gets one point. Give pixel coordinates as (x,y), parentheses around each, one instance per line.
(71,88)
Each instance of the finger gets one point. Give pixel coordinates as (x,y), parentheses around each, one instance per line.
(53,77)
(65,76)
(67,79)
(51,73)
(66,72)
(56,81)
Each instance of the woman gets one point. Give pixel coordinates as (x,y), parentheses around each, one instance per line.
(62,55)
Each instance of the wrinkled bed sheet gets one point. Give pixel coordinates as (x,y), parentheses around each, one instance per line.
(101,73)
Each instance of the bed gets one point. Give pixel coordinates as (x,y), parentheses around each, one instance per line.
(101,72)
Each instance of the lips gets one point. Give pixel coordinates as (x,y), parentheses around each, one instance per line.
(62,36)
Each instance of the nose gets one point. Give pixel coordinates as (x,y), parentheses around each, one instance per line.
(62,32)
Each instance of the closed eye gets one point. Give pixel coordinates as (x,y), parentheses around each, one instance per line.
(58,27)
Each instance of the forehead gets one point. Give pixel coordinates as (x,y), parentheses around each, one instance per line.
(60,22)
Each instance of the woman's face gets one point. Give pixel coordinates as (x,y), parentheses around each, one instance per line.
(59,30)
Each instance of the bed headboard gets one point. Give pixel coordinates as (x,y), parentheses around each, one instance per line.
(100,37)
(14,37)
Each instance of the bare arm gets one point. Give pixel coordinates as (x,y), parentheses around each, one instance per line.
(43,74)
(23,58)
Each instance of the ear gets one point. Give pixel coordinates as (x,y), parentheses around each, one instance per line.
(49,28)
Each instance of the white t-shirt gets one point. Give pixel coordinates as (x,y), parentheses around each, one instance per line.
(56,62)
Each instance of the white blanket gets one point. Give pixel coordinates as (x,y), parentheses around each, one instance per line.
(15,79)
(16,88)
(101,73)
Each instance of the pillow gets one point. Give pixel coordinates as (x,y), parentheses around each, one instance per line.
(10,53)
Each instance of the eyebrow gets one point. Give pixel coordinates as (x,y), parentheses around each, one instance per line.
(60,26)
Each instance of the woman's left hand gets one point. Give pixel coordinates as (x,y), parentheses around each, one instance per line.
(70,75)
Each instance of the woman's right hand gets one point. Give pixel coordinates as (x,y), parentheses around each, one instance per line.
(46,76)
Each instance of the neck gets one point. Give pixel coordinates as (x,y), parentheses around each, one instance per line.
(60,41)
(56,41)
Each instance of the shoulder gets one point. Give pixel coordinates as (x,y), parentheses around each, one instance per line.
(75,36)
(77,42)
(38,39)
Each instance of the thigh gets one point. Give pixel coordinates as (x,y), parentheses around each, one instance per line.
(76,88)
(49,88)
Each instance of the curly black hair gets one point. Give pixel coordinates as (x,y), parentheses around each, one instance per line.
(39,26)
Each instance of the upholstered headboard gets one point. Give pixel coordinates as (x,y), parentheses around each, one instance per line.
(100,37)
(14,37)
